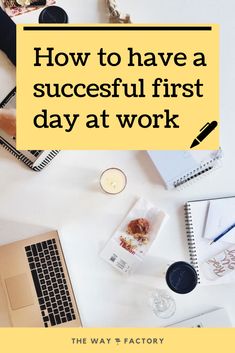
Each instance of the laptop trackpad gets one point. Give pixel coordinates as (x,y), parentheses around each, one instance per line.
(18,290)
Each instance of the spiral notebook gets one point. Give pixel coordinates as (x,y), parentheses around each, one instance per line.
(200,250)
(180,167)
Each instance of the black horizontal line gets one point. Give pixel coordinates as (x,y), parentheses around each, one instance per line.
(118,28)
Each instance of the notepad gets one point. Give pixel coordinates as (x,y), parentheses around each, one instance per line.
(200,250)
(180,167)
(220,217)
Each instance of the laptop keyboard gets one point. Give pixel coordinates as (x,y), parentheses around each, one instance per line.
(35,153)
(50,283)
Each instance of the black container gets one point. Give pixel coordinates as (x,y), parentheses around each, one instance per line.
(181,277)
(53,14)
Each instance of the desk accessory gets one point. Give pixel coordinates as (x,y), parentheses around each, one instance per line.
(53,14)
(162,303)
(215,318)
(200,250)
(178,168)
(115,16)
(113,181)
(132,240)
(181,277)
(226,231)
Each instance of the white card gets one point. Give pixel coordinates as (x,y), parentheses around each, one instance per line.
(221,215)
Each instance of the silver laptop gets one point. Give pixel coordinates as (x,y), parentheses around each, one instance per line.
(35,287)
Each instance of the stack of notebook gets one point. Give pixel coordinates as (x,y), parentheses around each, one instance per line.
(180,167)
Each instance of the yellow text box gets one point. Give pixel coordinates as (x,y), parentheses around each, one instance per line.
(117,87)
(120,340)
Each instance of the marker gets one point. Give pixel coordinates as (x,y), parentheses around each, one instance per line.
(205,131)
(223,233)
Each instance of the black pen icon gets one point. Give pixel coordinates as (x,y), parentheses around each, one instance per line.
(205,131)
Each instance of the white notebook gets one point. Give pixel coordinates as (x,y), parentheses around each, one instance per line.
(179,167)
(200,250)
(220,217)
(216,318)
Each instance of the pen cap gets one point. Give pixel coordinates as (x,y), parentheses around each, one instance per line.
(181,277)
(53,14)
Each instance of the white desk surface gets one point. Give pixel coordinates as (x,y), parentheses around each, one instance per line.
(66,195)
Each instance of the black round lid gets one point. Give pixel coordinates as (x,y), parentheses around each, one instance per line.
(181,277)
(53,14)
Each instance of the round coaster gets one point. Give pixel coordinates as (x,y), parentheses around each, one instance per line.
(53,14)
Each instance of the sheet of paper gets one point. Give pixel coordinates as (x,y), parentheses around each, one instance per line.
(123,251)
(221,215)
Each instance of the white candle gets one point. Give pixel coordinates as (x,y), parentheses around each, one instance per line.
(113,181)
